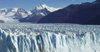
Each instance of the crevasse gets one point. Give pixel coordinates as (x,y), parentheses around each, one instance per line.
(49,42)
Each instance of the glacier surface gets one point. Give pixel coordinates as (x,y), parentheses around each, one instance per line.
(26,37)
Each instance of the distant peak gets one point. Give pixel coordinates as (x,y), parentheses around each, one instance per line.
(9,8)
(15,8)
(40,7)
(44,5)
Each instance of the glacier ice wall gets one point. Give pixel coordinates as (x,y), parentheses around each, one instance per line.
(50,42)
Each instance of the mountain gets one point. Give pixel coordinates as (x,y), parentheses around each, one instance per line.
(39,12)
(13,14)
(94,21)
(74,13)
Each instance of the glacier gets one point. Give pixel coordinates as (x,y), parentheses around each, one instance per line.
(27,37)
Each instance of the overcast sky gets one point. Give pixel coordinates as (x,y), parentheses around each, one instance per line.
(30,4)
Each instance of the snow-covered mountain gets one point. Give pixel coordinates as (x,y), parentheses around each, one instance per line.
(19,15)
(44,6)
(39,12)
(13,14)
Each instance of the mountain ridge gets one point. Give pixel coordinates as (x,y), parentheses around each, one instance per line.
(16,15)
(12,14)
(74,13)
(39,12)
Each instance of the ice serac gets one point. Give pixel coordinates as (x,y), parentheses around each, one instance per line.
(49,42)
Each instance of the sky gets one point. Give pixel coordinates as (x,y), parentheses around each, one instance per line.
(31,4)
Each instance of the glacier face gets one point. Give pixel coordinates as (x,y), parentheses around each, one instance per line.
(49,38)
